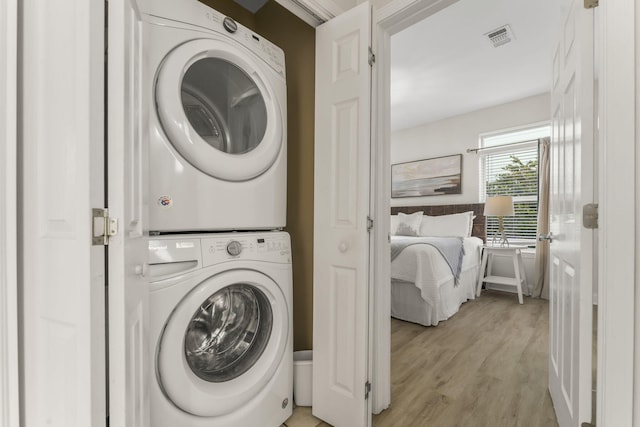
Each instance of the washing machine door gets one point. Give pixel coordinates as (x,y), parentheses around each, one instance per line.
(223,343)
(219,110)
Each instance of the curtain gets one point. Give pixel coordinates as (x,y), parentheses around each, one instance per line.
(540,289)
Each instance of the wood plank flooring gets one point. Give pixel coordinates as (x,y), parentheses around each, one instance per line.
(486,366)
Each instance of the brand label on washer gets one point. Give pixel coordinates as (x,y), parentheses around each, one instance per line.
(165,201)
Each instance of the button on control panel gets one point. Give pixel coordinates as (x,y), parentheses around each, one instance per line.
(234,248)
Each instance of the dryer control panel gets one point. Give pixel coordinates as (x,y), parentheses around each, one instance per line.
(262,47)
(200,16)
(270,247)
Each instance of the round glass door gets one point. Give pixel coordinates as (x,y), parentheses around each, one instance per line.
(218,109)
(224,106)
(228,333)
(223,342)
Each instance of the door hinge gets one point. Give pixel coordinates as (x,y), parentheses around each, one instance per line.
(104,226)
(590,4)
(369,224)
(590,215)
(367,390)
(372,57)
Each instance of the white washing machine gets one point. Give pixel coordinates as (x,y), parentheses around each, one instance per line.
(221,327)
(214,106)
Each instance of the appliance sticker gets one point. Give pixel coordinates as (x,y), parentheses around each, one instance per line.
(165,202)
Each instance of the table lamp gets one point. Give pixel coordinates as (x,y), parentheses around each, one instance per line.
(499,206)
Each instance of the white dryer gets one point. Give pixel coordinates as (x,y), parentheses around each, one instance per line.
(214,105)
(221,327)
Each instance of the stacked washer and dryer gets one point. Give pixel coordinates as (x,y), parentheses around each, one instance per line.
(219,265)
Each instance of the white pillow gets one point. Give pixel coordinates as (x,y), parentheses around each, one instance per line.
(393,227)
(459,225)
(409,225)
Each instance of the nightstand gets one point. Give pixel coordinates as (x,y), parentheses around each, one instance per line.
(515,251)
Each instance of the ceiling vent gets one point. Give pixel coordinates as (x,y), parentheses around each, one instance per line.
(500,36)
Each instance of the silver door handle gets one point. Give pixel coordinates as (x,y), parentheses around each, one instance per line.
(544,237)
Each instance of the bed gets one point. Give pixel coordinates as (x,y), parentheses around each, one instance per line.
(424,288)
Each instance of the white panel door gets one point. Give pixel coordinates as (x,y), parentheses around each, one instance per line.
(571,251)
(341,240)
(62,164)
(129,370)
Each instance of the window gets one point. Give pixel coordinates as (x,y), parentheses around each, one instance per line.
(509,166)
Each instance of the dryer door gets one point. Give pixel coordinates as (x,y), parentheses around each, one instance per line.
(223,343)
(218,109)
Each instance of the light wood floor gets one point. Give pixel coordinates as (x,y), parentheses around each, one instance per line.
(486,366)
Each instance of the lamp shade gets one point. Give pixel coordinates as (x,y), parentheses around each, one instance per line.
(499,206)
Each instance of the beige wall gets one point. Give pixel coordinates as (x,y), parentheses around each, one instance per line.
(297,39)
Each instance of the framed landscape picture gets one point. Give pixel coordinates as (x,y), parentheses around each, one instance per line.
(428,177)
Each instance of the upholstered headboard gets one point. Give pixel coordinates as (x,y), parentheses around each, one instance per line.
(479,223)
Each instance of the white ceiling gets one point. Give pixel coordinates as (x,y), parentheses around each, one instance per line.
(445,66)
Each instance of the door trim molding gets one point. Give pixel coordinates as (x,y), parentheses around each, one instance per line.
(9,362)
(618,160)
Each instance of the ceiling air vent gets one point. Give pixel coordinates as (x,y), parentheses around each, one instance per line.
(500,36)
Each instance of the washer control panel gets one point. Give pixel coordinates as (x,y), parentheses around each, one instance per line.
(272,247)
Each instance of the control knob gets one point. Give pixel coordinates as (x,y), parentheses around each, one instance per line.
(230,25)
(234,248)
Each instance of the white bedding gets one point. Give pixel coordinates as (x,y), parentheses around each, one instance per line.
(423,268)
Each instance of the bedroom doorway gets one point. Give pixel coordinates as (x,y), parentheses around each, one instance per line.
(401,22)
(453,123)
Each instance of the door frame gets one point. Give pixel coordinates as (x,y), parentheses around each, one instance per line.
(388,20)
(9,365)
(617,256)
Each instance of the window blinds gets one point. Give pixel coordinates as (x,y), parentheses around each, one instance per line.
(513,171)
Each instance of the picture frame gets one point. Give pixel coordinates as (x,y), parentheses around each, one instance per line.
(437,176)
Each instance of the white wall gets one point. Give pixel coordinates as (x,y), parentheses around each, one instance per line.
(454,135)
